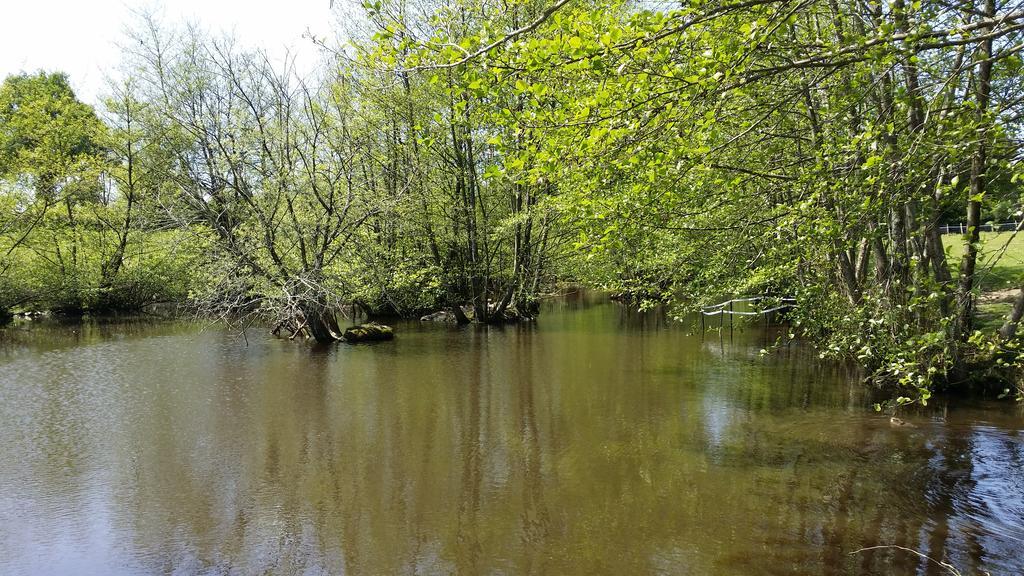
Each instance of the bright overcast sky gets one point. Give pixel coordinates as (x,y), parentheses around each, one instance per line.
(80,36)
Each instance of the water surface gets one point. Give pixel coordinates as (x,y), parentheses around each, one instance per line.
(595,441)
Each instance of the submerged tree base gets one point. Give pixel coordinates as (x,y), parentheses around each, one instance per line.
(510,315)
(493,314)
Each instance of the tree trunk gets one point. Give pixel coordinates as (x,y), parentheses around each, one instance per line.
(965,289)
(460,315)
(1009,329)
(320,322)
(936,252)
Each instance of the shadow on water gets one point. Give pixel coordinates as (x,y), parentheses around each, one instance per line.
(596,440)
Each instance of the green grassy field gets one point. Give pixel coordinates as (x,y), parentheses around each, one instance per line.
(1001,265)
(1000,270)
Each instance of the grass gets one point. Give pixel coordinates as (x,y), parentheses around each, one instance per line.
(1000,267)
(994,272)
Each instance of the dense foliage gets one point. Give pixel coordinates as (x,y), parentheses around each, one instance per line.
(73,235)
(466,155)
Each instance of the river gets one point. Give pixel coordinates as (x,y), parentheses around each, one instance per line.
(596,440)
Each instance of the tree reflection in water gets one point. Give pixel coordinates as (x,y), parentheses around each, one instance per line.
(595,441)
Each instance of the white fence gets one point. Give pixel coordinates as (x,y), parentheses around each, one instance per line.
(727,306)
(989,227)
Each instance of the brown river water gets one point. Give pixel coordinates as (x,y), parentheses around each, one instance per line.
(596,440)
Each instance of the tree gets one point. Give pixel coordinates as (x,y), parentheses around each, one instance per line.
(266,167)
(485,217)
(800,148)
(50,155)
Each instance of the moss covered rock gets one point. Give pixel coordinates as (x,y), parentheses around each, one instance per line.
(371,332)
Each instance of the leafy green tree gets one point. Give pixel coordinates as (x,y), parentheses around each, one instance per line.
(50,157)
(809,149)
(486,220)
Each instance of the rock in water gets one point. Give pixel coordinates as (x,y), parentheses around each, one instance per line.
(368,333)
(440,316)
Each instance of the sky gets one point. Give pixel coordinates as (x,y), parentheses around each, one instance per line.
(80,37)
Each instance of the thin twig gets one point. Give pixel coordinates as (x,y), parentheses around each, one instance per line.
(952,569)
(485,49)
